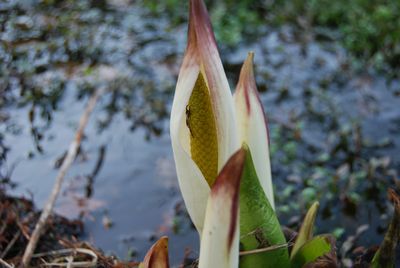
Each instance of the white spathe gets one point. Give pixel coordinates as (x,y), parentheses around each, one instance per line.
(201,56)
(252,126)
(219,246)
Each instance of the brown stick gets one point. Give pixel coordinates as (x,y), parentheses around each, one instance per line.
(72,151)
(260,250)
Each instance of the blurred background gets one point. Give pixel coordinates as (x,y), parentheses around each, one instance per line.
(328,73)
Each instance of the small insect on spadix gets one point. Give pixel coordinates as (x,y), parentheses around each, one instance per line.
(188,119)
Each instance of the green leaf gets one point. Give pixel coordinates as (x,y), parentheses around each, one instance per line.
(259,226)
(306,230)
(320,249)
(385,257)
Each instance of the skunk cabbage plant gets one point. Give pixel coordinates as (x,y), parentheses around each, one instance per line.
(207,126)
(202,125)
(206,122)
(252,125)
(259,226)
(221,150)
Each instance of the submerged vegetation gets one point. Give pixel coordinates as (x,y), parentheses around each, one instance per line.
(370,30)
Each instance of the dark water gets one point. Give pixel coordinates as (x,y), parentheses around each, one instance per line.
(334,131)
(135,189)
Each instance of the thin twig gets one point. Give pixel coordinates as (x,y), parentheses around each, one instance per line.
(260,250)
(11,244)
(22,228)
(70,260)
(72,151)
(3,227)
(7,265)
